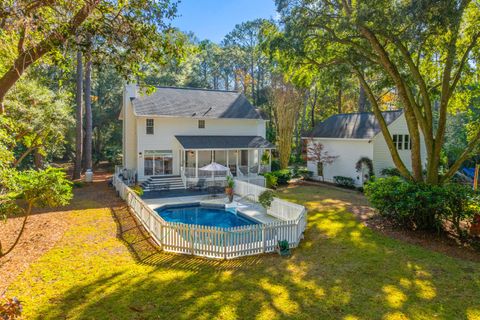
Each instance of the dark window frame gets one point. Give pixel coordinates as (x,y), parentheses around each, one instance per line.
(201,124)
(149,126)
(402,141)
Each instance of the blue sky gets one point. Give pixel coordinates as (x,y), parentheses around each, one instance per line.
(213,19)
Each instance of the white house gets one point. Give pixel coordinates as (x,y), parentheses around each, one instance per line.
(357,135)
(173,132)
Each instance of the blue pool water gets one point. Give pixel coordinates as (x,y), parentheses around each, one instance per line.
(204,215)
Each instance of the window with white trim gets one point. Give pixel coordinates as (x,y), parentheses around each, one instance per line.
(149,126)
(402,141)
(201,124)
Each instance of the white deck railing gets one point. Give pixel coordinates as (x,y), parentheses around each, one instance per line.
(215,242)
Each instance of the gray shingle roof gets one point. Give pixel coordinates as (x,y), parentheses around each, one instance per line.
(195,103)
(361,125)
(223,142)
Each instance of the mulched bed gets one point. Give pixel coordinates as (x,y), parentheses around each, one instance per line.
(45,228)
(441,242)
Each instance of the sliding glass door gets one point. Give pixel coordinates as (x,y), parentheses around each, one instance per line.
(158,162)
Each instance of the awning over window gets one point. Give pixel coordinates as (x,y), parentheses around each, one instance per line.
(224,142)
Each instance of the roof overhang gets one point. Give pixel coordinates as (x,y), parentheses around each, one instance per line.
(342,139)
(223,142)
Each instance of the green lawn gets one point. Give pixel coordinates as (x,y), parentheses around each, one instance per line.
(342,270)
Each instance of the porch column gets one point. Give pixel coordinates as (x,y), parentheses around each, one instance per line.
(227,151)
(236,163)
(248,162)
(196,163)
(259,159)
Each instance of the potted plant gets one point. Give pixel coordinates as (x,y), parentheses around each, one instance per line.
(283,248)
(229,188)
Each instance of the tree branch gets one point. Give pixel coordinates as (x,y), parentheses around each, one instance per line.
(24,223)
(28,57)
(427,104)
(464,156)
(457,75)
(383,126)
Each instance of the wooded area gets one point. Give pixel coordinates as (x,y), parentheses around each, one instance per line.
(63,68)
(64,64)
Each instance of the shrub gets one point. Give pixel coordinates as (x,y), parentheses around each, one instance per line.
(390,172)
(305,173)
(295,171)
(283,176)
(138,190)
(25,190)
(271,180)
(265,198)
(78,184)
(345,182)
(275,166)
(423,206)
(461,203)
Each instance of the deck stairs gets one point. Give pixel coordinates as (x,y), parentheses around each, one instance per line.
(162,183)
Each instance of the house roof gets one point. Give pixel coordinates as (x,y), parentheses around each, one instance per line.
(195,103)
(363,125)
(224,142)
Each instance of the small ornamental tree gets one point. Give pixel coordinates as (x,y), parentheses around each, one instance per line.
(315,152)
(21,191)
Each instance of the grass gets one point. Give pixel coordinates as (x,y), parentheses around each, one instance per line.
(105,268)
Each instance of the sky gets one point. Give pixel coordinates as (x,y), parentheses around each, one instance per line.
(213,19)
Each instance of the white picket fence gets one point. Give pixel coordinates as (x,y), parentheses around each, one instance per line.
(215,242)
(248,190)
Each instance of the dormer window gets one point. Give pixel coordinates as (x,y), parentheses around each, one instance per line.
(201,124)
(149,126)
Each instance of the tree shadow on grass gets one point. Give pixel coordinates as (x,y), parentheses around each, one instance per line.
(341,270)
(145,250)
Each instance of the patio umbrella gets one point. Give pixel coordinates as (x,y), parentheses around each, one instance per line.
(212,167)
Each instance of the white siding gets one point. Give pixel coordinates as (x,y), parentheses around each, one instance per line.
(165,130)
(381,154)
(349,152)
(129,128)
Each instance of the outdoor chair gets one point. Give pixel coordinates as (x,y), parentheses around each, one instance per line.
(200,185)
(165,187)
(219,186)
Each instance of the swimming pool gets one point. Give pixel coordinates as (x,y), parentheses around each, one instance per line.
(204,215)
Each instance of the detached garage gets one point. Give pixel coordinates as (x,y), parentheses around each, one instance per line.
(356,137)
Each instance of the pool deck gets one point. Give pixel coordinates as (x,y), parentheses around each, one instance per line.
(250,209)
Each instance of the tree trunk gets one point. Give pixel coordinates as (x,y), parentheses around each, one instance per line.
(302,125)
(227,84)
(412,115)
(363,105)
(252,75)
(235,80)
(79,119)
(30,56)
(314,104)
(38,160)
(24,224)
(88,113)
(339,101)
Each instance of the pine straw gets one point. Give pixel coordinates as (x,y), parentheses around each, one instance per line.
(44,229)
